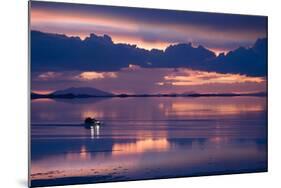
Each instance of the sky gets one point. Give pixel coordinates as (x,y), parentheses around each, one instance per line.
(148,29)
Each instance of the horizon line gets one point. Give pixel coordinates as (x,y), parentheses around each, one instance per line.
(132,94)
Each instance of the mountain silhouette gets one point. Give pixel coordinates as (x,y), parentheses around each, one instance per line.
(72,93)
(82,91)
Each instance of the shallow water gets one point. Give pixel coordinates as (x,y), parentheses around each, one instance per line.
(144,138)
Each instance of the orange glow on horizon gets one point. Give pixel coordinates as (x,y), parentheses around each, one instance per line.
(191,77)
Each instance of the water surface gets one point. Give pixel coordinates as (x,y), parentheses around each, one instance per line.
(144,138)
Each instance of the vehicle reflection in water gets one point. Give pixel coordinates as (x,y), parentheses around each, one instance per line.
(95,131)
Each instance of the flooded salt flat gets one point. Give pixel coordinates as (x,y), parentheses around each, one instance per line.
(145,138)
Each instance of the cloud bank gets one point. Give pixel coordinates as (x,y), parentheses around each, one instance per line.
(54,52)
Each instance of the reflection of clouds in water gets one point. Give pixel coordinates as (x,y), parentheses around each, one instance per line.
(91,113)
(96,112)
(141,146)
(202,106)
(43,114)
(174,155)
(42,100)
(84,154)
(151,139)
(47,116)
(144,108)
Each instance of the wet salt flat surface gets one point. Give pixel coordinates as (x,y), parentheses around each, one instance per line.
(144,138)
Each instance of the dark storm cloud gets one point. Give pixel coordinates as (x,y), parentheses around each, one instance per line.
(52,52)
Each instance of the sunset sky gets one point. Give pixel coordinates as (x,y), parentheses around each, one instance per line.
(148,29)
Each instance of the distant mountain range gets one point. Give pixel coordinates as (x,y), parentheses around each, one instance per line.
(82,91)
(74,92)
(88,92)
